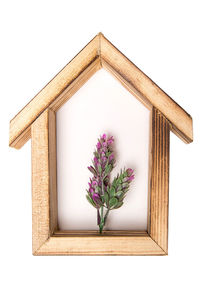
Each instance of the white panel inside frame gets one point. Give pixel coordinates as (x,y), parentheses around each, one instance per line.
(102,105)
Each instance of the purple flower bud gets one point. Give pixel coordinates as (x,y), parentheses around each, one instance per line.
(131,178)
(96,199)
(91,169)
(100,189)
(96,160)
(110,140)
(96,196)
(103,136)
(104,159)
(111,157)
(129,172)
(98,145)
(91,191)
(98,165)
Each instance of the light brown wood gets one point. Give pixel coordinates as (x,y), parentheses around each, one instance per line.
(101,245)
(159,180)
(119,76)
(44,195)
(145,88)
(75,85)
(96,233)
(150,170)
(22,139)
(38,121)
(99,53)
(62,81)
(47,239)
(53,209)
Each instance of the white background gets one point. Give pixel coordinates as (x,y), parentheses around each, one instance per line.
(102,105)
(37,39)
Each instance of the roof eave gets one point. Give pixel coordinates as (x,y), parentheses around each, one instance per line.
(99,52)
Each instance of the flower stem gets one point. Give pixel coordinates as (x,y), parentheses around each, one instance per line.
(101,225)
(103,219)
(100,228)
(106,215)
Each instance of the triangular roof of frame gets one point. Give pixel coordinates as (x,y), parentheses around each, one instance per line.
(98,53)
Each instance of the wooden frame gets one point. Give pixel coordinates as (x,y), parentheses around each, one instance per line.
(97,54)
(48,240)
(38,121)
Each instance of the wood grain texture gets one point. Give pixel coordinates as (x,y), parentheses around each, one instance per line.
(96,233)
(101,245)
(23,120)
(135,78)
(38,120)
(159,180)
(22,139)
(99,53)
(47,240)
(76,85)
(53,209)
(44,197)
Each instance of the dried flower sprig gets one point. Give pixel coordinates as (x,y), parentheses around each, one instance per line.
(102,194)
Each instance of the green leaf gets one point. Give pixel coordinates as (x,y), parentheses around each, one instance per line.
(121,197)
(125,185)
(121,177)
(90,200)
(118,181)
(114,183)
(125,190)
(96,154)
(108,154)
(119,188)
(100,169)
(119,204)
(119,193)
(125,174)
(108,169)
(112,192)
(113,202)
(106,197)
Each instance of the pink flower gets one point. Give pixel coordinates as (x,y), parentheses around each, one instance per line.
(94,182)
(96,160)
(98,145)
(131,178)
(96,199)
(104,159)
(91,191)
(110,140)
(111,157)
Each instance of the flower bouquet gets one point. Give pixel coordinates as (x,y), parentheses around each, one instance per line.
(102,194)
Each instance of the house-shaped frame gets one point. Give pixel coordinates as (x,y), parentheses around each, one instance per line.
(37,120)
